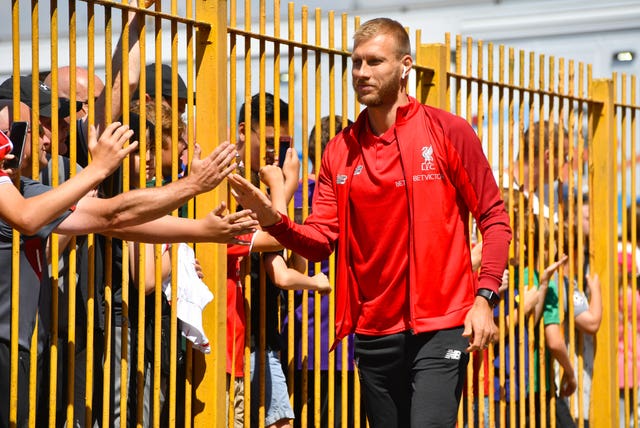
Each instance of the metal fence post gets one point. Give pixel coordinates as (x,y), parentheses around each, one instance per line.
(211,120)
(432,82)
(602,258)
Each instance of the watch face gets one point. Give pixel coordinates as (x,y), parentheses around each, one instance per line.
(492,297)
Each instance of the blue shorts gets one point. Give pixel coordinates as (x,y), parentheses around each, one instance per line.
(276,394)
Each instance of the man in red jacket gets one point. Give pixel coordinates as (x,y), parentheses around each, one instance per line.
(395,191)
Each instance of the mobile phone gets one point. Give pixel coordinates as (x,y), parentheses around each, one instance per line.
(18,135)
(285,143)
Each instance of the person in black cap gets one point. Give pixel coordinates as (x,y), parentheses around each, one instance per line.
(26,96)
(44,103)
(165,77)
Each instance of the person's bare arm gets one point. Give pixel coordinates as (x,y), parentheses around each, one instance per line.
(273,178)
(134,20)
(30,215)
(263,242)
(215,227)
(95,215)
(291,172)
(554,339)
(149,265)
(589,321)
(544,285)
(291,279)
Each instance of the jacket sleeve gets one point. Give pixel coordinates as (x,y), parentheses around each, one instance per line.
(314,239)
(476,184)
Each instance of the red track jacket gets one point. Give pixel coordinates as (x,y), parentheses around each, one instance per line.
(447,177)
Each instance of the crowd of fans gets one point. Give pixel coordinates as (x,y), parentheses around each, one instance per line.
(130,216)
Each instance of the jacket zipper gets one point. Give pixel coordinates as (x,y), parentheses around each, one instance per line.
(410,235)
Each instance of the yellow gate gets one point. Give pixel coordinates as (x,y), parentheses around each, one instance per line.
(99,354)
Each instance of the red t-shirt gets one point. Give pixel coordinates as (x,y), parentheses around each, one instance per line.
(379,235)
(235,306)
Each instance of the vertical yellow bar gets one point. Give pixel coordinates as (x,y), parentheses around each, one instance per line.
(211,116)
(331,358)
(15,251)
(125,326)
(71,277)
(480,403)
(580,218)
(601,181)
(290,295)
(54,248)
(142,256)
(173,343)
(500,412)
(108,288)
(249,306)
(188,390)
(90,239)
(35,119)
(304,414)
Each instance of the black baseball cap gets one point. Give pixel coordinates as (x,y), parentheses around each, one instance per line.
(166,82)
(26,96)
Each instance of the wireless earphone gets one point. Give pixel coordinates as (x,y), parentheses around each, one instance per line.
(404,71)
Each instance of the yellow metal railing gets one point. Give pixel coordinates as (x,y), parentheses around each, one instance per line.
(501,91)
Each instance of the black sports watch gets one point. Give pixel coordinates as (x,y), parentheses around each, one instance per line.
(492,297)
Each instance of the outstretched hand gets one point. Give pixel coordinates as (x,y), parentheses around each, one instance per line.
(207,173)
(291,166)
(552,268)
(249,196)
(271,175)
(223,227)
(108,151)
(322,283)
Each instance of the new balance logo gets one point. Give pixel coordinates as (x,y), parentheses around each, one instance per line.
(453,354)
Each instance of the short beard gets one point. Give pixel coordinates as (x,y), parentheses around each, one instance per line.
(387,92)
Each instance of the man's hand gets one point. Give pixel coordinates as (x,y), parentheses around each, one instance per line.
(198,268)
(108,151)
(291,166)
(223,228)
(479,327)
(207,173)
(291,170)
(271,175)
(249,196)
(322,283)
(13,173)
(568,384)
(593,282)
(504,286)
(552,268)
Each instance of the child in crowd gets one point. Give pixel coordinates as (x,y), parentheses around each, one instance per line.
(282,184)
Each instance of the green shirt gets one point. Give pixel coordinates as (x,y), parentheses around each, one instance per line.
(550,315)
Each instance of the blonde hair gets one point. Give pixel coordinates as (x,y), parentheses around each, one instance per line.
(377,26)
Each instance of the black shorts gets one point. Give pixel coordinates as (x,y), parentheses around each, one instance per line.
(412,380)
